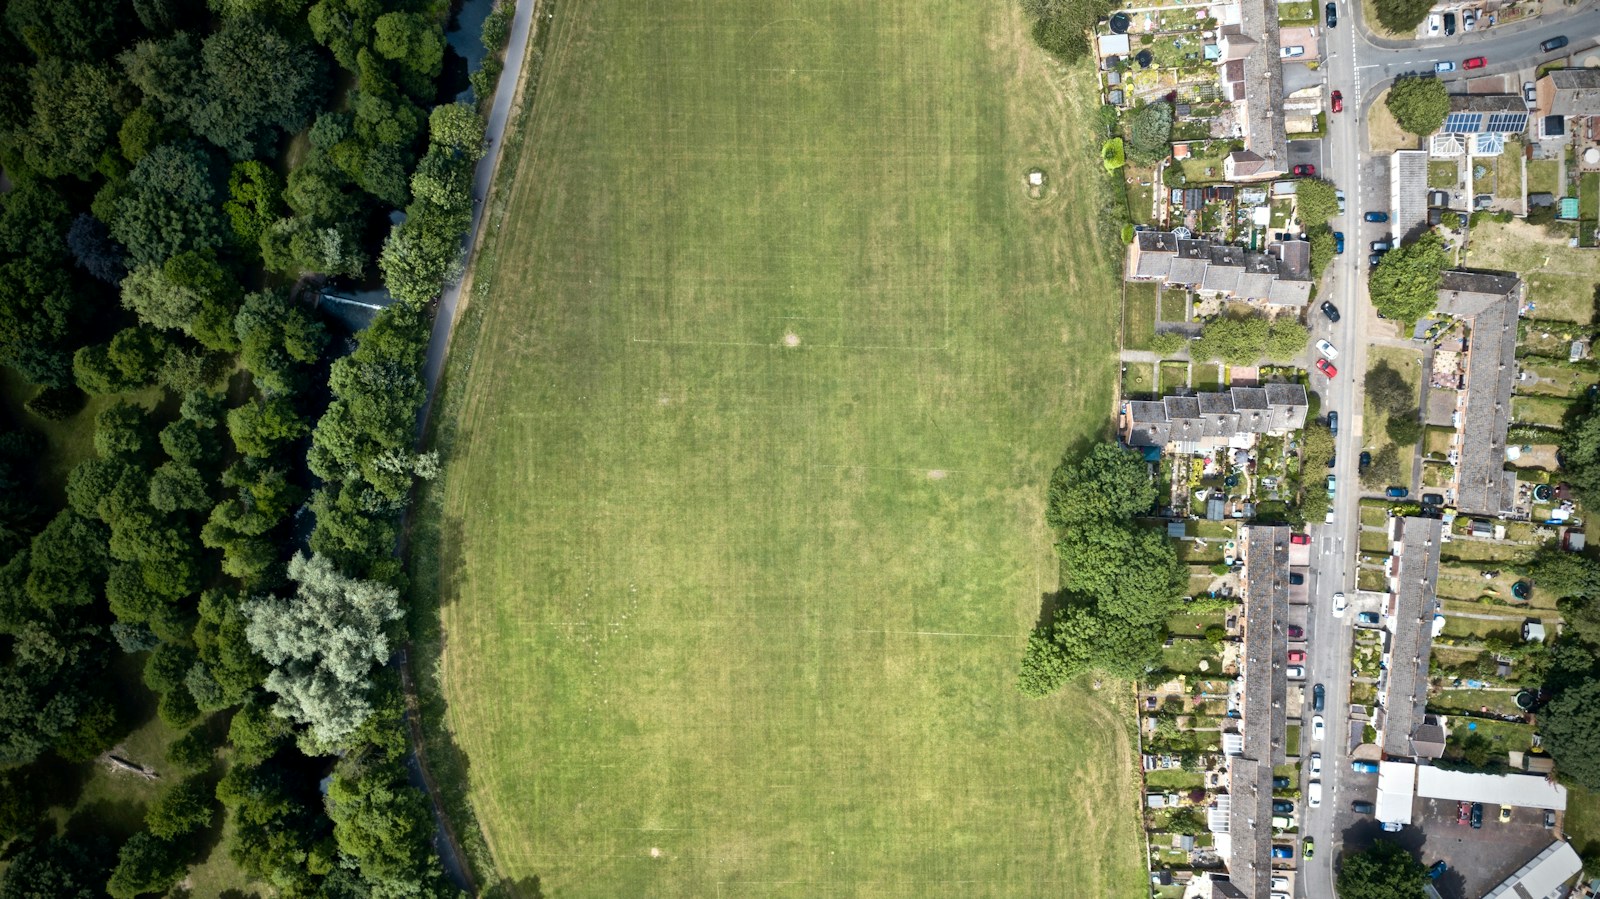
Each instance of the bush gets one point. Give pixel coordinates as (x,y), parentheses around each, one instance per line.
(56,403)
(1166,342)
(1061,27)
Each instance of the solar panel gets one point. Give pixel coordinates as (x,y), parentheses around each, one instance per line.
(1507,122)
(1463,122)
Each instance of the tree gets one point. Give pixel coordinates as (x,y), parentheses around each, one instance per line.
(191,292)
(81,30)
(1571,728)
(1286,340)
(382,822)
(1385,468)
(414,41)
(1045,667)
(181,810)
(1316,446)
(77,107)
(1315,201)
(169,205)
(1405,428)
(146,864)
(1149,130)
(36,312)
(1580,454)
(344,27)
(1239,340)
(1061,27)
(261,428)
(1567,575)
(1402,16)
(1112,155)
(323,644)
(255,200)
(458,128)
(57,868)
(255,80)
(1110,483)
(96,253)
(278,339)
(1167,343)
(1386,871)
(1388,389)
(1405,283)
(1419,105)
(1322,250)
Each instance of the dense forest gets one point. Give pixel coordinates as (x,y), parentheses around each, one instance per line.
(181,175)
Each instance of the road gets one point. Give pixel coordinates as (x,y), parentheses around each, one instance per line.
(1361,66)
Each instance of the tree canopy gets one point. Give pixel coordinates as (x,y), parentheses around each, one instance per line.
(1149,130)
(1385,871)
(1315,201)
(1246,339)
(1419,105)
(1405,283)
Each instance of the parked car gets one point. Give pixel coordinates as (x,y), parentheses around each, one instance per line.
(1433,499)
(1315,794)
(1530,94)
(1282,807)
(1326,349)
(1469,20)
(1280,783)
(1362,807)
(1382,246)
(1368,618)
(1319,728)
(1328,309)
(1449,24)
(1338,100)
(1364,767)
(1463,812)
(1292,52)
(1372,262)
(1296,632)
(1296,579)
(1549,817)
(1396,492)
(1505,814)
(1476,62)
(1555,43)
(1318,696)
(1363,460)
(1375,216)
(1338,197)
(1282,851)
(1300,539)
(1442,67)
(1333,483)
(1477,815)
(1297,655)
(1331,14)
(1316,764)
(1338,247)
(1326,367)
(1304,171)
(1434,24)
(1437,869)
(1339,605)
(1392,827)
(1333,417)
(1295,672)
(1308,847)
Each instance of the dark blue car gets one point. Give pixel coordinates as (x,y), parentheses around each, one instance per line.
(1376,217)
(1338,241)
(1397,492)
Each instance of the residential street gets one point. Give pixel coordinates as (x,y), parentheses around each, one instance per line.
(1361,67)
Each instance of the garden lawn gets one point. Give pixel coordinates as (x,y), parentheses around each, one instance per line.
(1589,196)
(1174,376)
(1139,381)
(740,532)
(1542,174)
(1540,410)
(1561,279)
(1443,174)
(1138,314)
(1375,436)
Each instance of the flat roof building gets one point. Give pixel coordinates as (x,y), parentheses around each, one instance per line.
(1516,790)
(1545,876)
(1408,191)
(1413,579)
(1397,792)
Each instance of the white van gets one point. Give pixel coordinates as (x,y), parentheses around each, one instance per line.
(1316,794)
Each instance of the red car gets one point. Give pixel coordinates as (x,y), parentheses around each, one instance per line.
(1326,367)
(1476,62)
(1463,812)
(1296,657)
(1338,101)
(1305,170)
(1300,539)
(1296,632)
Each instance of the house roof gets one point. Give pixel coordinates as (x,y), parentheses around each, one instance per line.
(1577,91)
(1414,603)
(1222,268)
(1489,301)
(1247,163)
(1543,877)
(1277,407)
(1264,583)
(1262,114)
(1397,791)
(1429,740)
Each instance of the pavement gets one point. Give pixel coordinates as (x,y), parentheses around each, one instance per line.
(1361,65)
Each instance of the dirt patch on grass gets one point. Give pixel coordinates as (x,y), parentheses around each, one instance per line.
(1384,134)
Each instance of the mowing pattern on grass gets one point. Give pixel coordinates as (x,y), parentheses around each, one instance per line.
(744,535)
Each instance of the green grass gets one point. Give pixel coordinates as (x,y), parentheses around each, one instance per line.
(1443,174)
(1509,187)
(1589,196)
(69,441)
(1540,410)
(1138,314)
(1542,175)
(725,616)
(1174,376)
(1207,376)
(1139,381)
(1582,820)
(1561,279)
(1297,13)
(1174,305)
(1173,779)
(1409,364)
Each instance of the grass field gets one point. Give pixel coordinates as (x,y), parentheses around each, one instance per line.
(1561,279)
(740,536)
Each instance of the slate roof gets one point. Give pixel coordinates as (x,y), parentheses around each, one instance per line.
(1264,583)
(1278,407)
(1261,115)
(1577,91)
(1280,277)
(1489,302)
(1413,604)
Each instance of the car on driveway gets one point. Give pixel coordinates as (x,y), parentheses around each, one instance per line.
(1433,499)
(1318,697)
(1328,309)
(1291,52)
(1434,24)
(1282,807)
(1449,24)
(1463,812)
(1304,171)
(1362,807)
(1364,460)
(1442,67)
(1339,605)
(1477,815)
(1375,216)
(1368,618)
(1338,100)
(1300,539)
(1319,728)
(1555,43)
(1295,632)
(1397,492)
(1331,14)
(1282,851)
(1469,19)
(1476,62)
(1530,93)
(1326,348)
(1280,783)
(1326,367)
